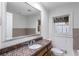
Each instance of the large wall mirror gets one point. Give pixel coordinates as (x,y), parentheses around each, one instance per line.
(22,20)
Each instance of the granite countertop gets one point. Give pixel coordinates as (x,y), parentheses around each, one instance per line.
(25,51)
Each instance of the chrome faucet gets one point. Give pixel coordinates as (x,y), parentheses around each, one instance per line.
(32,42)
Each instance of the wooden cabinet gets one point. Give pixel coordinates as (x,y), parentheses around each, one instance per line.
(48,53)
(41,53)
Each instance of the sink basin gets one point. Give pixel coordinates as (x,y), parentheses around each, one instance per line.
(34,46)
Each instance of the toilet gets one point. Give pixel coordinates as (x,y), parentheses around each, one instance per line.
(57,52)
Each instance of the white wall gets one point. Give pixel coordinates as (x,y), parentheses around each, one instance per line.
(3,22)
(76,16)
(63,42)
(44,23)
(0,24)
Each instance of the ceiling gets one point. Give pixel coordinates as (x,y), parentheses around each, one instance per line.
(21,8)
(51,5)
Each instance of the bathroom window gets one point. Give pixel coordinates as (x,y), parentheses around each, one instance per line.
(61,24)
(61,27)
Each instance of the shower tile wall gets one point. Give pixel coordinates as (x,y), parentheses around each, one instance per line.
(76,38)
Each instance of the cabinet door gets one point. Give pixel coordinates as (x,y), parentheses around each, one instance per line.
(48,53)
(42,52)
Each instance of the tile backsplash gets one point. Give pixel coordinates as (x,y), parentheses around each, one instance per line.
(76,38)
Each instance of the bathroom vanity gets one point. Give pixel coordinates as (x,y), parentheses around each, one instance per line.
(44,50)
(22,49)
(21,24)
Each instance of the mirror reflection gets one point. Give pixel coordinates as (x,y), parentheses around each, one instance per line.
(22,20)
